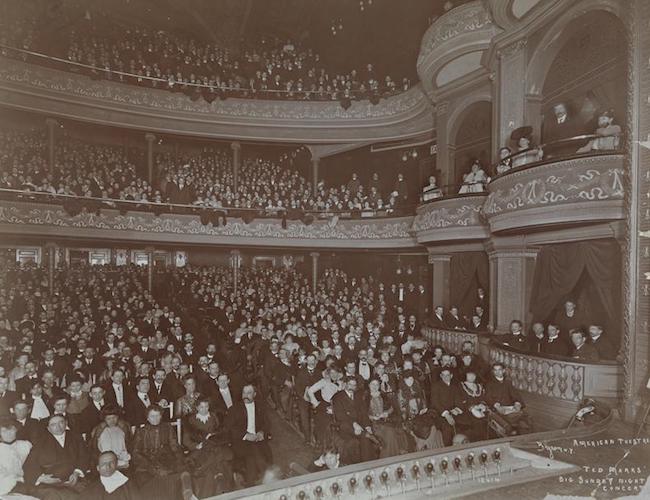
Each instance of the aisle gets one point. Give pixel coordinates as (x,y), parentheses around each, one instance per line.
(288,446)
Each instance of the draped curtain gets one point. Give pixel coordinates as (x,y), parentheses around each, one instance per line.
(587,269)
(468,272)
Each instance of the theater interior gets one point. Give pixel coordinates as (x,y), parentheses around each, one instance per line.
(326,249)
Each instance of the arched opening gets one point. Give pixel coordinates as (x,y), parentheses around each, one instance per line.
(472,140)
(587,76)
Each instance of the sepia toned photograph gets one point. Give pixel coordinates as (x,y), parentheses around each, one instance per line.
(324,249)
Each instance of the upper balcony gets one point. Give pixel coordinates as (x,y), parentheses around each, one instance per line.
(63,94)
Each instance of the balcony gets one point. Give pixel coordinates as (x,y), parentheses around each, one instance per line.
(449,219)
(35,214)
(69,95)
(578,190)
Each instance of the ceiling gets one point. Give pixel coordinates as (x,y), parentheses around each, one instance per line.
(386,33)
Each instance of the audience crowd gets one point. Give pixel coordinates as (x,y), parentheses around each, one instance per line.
(265,67)
(121,376)
(202,177)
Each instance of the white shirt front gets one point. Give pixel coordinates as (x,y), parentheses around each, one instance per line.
(39,409)
(119,394)
(60,439)
(227,398)
(250,417)
(113,482)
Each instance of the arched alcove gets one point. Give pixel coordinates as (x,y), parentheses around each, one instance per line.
(587,74)
(472,138)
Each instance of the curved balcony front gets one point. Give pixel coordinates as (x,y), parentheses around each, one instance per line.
(69,95)
(578,190)
(451,219)
(32,216)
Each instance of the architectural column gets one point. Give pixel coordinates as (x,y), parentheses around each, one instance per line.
(512,266)
(150,138)
(440,290)
(51,128)
(509,92)
(315,162)
(314,270)
(635,344)
(444,158)
(236,160)
(150,252)
(51,265)
(235,262)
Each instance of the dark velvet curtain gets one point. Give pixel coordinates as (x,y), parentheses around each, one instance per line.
(589,271)
(468,272)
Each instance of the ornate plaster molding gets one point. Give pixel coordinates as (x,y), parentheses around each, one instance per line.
(577,180)
(461,212)
(346,232)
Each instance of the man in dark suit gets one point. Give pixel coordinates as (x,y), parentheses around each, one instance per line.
(446,402)
(138,402)
(116,390)
(583,350)
(605,348)
(58,461)
(91,415)
(561,124)
(506,400)
(516,337)
(24,384)
(28,428)
(224,396)
(7,397)
(207,383)
(51,362)
(438,320)
(306,377)
(554,345)
(249,432)
(454,321)
(351,415)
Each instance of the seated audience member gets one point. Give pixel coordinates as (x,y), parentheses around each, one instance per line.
(385,421)
(431,191)
(453,320)
(605,348)
(7,397)
(609,135)
(13,453)
(419,420)
(536,339)
(28,428)
(506,401)
(138,401)
(58,461)
(249,434)
(516,338)
(39,402)
(505,163)
(114,435)
(328,460)
(111,484)
(77,398)
(526,152)
(554,345)
(446,403)
(583,350)
(438,320)
(475,180)
(207,441)
(158,463)
(186,404)
(474,408)
(355,434)
(91,416)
